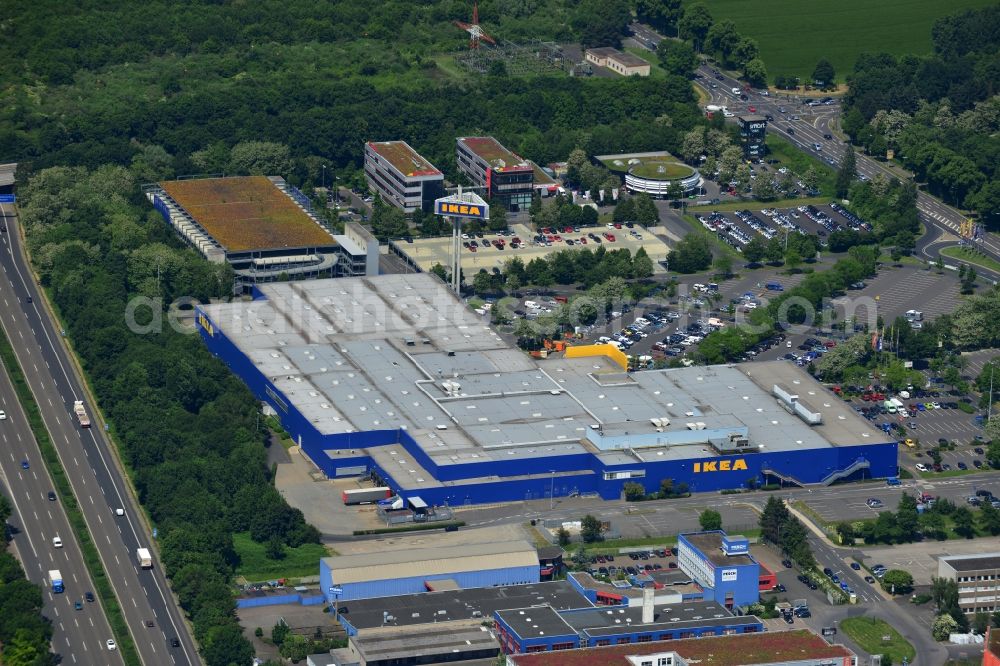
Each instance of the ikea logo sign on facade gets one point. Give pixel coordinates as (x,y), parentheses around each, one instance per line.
(206,325)
(720,466)
(475,211)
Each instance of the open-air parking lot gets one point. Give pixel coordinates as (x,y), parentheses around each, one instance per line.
(737,228)
(490,250)
(894,292)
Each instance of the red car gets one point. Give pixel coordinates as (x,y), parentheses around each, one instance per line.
(610,237)
(830,344)
(752,109)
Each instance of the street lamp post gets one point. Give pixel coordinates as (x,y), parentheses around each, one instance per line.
(552,490)
(324,180)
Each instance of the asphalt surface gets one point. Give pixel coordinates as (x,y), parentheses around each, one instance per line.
(815,123)
(90,465)
(78,636)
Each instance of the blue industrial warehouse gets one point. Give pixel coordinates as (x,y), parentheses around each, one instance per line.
(392,377)
(397,572)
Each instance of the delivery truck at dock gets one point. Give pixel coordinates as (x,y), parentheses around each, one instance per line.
(56,580)
(365,495)
(144,557)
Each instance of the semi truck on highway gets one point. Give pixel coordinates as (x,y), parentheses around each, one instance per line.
(144,557)
(81,413)
(55,578)
(365,495)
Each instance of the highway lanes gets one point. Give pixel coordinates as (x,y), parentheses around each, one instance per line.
(91,468)
(78,636)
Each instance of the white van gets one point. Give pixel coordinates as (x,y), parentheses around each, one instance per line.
(736,91)
(530,305)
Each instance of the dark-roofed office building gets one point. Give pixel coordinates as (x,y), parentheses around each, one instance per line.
(542,628)
(978,578)
(401,176)
(472,605)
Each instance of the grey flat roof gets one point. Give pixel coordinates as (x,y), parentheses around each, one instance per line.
(426,642)
(450,605)
(602,621)
(629,59)
(7,174)
(401,351)
(710,544)
(536,622)
(973,562)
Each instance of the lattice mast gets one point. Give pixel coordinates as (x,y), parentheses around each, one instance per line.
(476,32)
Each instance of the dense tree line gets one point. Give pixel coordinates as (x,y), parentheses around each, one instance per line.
(940,113)
(318,78)
(786,532)
(586,267)
(24,632)
(789,307)
(188,429)
(50,41)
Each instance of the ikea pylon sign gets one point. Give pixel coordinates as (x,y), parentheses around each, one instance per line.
(474,211)
(468,206)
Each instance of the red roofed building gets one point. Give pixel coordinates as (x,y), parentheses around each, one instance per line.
(778,648)
(401,176)
(507,177)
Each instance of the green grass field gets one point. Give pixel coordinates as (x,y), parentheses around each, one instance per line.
(868,633)
(793,36)
(799,162)
(255,566)
(662,170)
(969,257)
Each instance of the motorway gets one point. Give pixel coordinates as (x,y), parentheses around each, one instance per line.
(932,211)
(90,465)
(78,636)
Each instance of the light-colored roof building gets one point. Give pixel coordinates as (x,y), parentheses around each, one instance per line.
(621,62)
(431,561)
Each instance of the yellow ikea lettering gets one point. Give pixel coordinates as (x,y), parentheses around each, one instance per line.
(721,466)
(460,209)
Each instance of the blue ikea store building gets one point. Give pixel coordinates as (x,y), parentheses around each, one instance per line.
(394,379)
